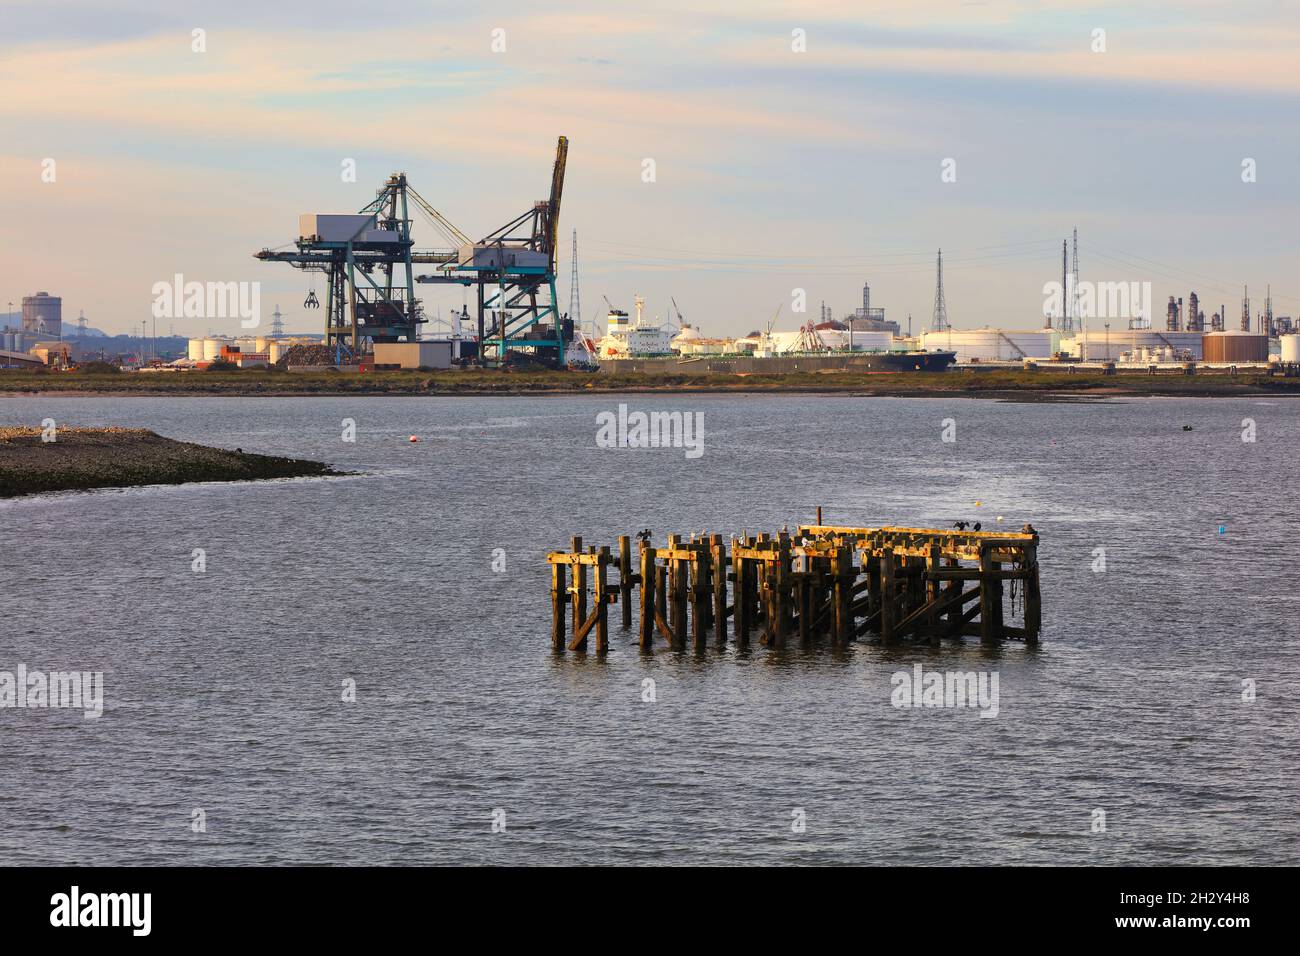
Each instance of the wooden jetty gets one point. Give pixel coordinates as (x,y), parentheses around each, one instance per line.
(822,582)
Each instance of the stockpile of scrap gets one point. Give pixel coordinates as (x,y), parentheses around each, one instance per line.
(316,356)
(824,582)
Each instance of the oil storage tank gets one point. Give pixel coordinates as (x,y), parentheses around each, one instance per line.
(1235,346)
(992,345)
(862,340)
(1291,348)
(1097,345)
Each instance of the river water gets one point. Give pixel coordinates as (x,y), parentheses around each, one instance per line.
(225,737)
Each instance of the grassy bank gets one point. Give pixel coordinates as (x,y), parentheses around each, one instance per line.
(81,458)
(1013,384)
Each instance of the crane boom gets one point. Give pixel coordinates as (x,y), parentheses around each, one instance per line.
(557,192)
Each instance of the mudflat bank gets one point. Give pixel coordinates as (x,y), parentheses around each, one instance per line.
(82,458)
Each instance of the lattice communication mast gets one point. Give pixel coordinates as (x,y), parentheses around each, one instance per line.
(939,322)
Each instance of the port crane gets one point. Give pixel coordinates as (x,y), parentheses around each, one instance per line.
(369,259)
(513,270)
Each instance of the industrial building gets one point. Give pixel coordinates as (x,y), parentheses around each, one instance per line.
(210,348)
(868,319)
(413,355)
(43,313)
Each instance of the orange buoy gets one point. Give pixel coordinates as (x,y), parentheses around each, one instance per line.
(414,439)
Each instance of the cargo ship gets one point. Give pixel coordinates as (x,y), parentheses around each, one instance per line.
(649,347)
(746,364)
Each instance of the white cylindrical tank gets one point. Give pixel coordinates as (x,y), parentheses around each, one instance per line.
(212,349)
(194,351)
(1291,348)
(992,345)
(863,341)
(1094,344)
(870,341)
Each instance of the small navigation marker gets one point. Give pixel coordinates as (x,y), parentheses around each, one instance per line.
(1223,529)
(414,439)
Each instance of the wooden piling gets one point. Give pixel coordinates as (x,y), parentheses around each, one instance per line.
(910,584)
(661,590)
(873,584)
(625,579)
(887,605)
(740,612)
(953,619)
(559,598)
(780,585)
(677,592)
(646,635)
(933,591)
(841,585)
(699,595)
(998,586)
(602,596)
(719,568)
(579,592)
(1033,596)
(988,635)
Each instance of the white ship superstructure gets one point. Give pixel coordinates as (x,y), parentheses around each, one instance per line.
(626,340)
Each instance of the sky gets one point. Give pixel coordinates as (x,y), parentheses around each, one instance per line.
(795,147)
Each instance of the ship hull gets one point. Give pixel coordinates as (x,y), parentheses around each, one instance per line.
(781,364)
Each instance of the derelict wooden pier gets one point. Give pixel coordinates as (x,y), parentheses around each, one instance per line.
(821,583)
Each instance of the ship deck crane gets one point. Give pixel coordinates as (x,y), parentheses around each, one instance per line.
(681,319)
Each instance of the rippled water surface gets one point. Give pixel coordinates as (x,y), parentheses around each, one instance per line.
(223,689)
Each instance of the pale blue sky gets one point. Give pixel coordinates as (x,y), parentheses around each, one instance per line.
(775,169)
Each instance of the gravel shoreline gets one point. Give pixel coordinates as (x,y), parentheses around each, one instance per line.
(83,458)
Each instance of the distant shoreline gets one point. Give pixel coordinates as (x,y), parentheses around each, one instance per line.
(1001,385)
